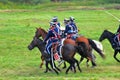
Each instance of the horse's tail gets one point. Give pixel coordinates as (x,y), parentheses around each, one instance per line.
(94,46)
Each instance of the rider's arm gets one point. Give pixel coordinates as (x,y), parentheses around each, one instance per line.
(47,37)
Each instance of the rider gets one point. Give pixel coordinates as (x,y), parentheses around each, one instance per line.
(72,23)
(117,37)
(55,21)
(70,28)
(52,38)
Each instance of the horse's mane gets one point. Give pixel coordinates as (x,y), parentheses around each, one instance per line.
(43,30)
(108,31)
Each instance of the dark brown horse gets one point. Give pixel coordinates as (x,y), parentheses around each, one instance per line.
(88,42)
(37,43)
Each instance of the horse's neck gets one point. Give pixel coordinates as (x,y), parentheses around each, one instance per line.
(44,34)
(41,48)
(110,37)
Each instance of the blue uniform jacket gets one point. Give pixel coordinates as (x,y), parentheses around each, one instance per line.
(52,34)
(75,30)
(68,29)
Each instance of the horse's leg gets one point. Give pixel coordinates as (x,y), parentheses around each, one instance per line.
(93,60)
(78,65)
(57,68)
(81,59)
(70,62)
(42,58)
(72,65)
(68,68)
(87,63)
(64,65)
(115,53)
(48,67)
(93,63)
(53,68)
(46,64)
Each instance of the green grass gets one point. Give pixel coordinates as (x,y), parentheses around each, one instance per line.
(17,28)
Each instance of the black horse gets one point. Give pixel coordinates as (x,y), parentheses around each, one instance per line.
(41,46)
(110,36)
(68,52)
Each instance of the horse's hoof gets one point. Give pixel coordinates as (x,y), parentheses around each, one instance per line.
(66,73)
(80,70)
(45,71)
(40,66)
(75,71)
(93,66)
(87,66)
(57,73)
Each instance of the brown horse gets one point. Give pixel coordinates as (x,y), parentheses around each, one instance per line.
(88,42)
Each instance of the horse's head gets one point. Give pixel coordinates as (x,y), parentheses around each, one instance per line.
(40,32)
(34,43)
(103,35)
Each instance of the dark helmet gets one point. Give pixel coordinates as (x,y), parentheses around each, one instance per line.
(72,18)
(55,19)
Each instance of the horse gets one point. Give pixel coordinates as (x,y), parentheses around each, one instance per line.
(37,43)
(68,52)
(40,32)
(110,36)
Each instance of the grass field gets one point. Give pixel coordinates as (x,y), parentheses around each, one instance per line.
(17,28)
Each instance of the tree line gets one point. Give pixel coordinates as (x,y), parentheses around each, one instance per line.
(45,1)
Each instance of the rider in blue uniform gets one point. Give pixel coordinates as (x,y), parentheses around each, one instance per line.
(52,38)
(55,21)
(72,23)
(70,28)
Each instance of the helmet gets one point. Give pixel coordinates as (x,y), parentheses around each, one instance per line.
(72,18)
(52,24)
(66,20)
(55,19)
